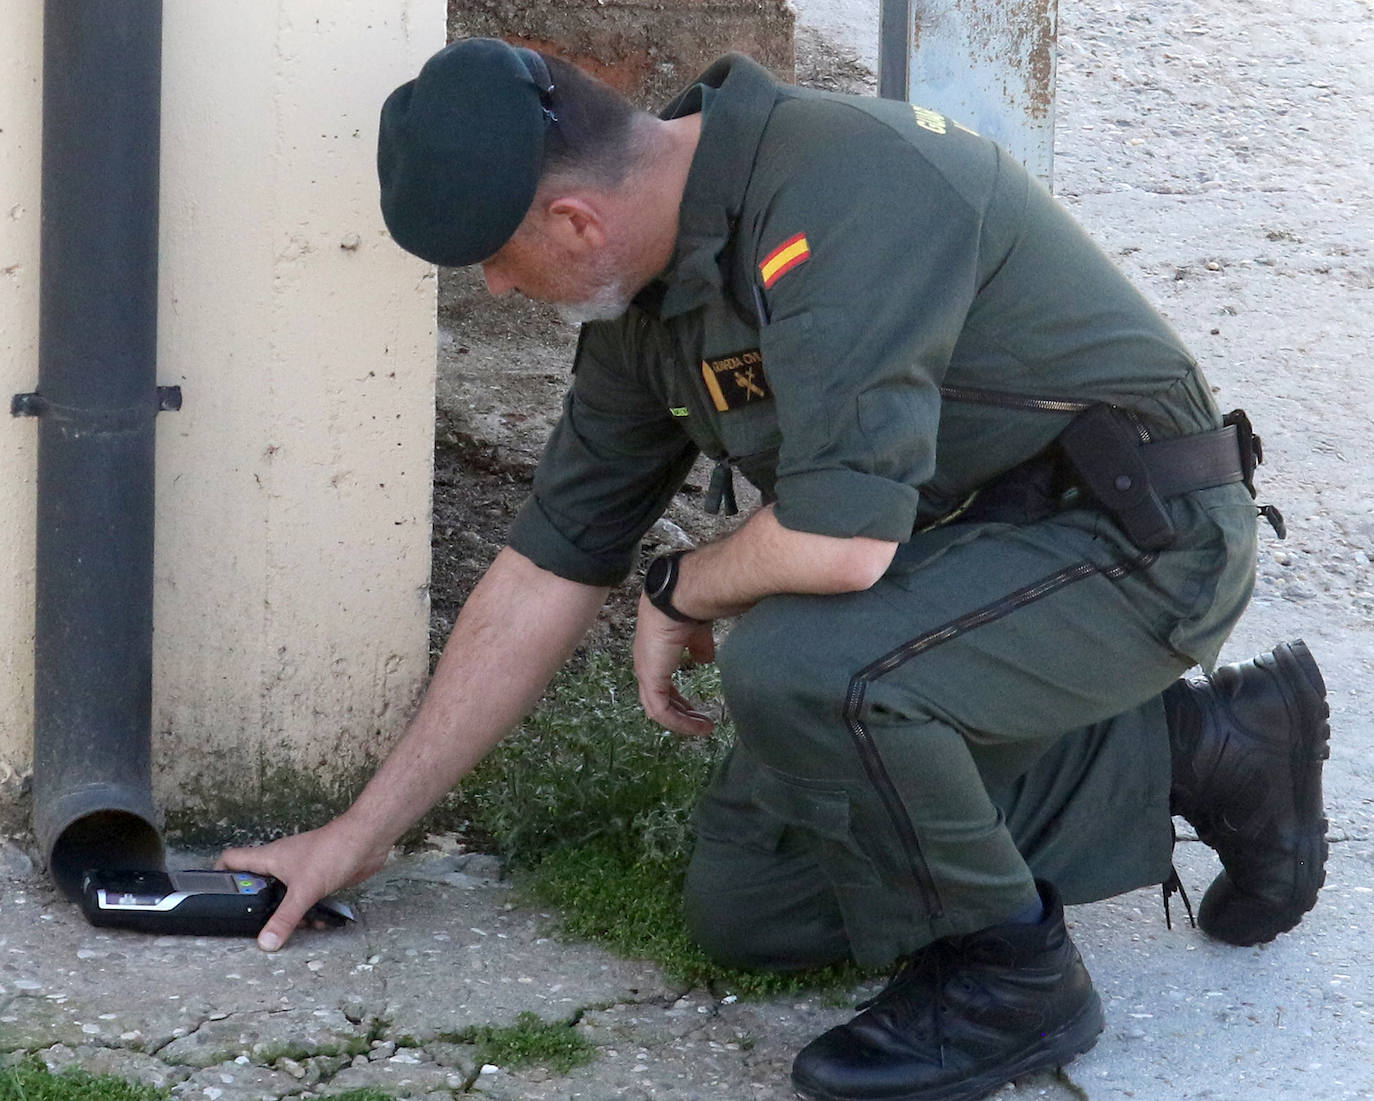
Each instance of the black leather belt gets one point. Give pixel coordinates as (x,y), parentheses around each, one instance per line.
(1100,461)
(1187,463)
(1130,479)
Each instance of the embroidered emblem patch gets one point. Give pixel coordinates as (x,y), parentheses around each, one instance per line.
(930,120)
(793,251)
(937,123)
(735,379)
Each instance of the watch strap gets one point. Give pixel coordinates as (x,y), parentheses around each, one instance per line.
(660,580)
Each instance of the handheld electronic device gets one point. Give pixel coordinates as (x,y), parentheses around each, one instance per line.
(197,901)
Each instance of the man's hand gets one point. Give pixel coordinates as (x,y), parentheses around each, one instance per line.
(659,644)
(312,865)
(519,625)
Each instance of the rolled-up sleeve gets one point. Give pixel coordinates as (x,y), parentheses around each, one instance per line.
(861,333)
(611,466)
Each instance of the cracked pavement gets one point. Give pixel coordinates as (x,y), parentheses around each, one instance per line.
(441,946)
(1221,152)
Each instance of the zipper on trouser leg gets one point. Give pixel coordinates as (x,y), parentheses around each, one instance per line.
(868,751)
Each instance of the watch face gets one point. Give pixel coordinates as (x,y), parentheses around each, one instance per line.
(656,576)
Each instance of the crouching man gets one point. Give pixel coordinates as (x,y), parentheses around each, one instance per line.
(1002,519)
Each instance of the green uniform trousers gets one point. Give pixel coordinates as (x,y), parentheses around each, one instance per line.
(911,757)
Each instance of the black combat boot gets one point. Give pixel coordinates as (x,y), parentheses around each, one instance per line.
(964,1016)
(1248,745)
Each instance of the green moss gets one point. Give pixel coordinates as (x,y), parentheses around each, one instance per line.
(529,1042)
(31,1081)
(282,799)
(271,1054)
(634,908)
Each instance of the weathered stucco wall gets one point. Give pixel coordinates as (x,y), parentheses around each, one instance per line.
(293,488)
(21,59)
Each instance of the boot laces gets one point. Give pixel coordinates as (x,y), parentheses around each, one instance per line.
(1169,887)
(912,1001)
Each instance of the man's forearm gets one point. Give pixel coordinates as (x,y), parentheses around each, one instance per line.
(518,626)
(762,557)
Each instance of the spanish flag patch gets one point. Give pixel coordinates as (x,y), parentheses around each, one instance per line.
(793,251)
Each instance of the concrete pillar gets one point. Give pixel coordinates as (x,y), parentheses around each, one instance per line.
(293,488)
(990,64)
(21,102)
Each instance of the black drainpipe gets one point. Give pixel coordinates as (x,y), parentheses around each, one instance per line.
(96,404)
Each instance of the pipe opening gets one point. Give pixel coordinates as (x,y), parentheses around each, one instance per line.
(109,840)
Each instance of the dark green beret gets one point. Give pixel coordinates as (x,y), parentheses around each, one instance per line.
(460,149)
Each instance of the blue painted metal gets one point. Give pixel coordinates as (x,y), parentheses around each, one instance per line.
(988,64)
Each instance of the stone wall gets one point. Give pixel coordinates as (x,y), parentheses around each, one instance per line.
(647,49)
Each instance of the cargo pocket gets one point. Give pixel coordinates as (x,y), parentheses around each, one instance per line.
(877,917)
(1220,552)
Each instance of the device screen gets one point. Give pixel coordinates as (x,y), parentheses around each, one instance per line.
(219,883)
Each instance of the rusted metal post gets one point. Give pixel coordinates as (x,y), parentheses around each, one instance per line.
(986,63)
(894,48)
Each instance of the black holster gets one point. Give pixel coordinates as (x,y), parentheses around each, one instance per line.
(1130,476)
(1104,459)
(1103,450)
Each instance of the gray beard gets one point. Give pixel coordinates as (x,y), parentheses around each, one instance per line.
(606,303)
(576,313)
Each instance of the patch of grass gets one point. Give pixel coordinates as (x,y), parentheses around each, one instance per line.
(591,804)
(635,909)
(587,766)
(32,1081)
(530,1042)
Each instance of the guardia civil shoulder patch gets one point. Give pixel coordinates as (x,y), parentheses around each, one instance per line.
(735,379)
(793,251)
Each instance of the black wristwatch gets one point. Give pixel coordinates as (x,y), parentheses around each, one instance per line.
(660,579)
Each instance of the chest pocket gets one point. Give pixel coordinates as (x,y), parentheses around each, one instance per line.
(734,381)
(741,406)
(751,439)
(721,383)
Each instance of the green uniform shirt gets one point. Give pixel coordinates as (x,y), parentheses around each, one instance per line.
(870,312)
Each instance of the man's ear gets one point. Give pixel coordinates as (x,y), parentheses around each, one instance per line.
(575,224)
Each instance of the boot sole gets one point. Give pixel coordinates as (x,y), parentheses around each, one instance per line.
(1312,748)
(1056,1049)
(1299,672)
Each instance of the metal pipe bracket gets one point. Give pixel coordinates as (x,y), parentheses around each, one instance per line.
(35,404)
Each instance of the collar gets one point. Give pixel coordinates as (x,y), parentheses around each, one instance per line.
(735,97)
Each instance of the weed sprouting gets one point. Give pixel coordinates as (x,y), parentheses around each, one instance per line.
(530,1042)
(588,767)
